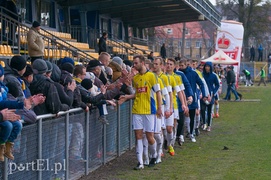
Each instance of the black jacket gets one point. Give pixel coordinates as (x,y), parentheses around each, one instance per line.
(52,104)
(102,45)
(230,77)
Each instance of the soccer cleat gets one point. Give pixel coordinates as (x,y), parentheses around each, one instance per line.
(204,127)
(182,138)
(146,162)
(139,166)
(193,139)
(197,132)
(152,162)
(209,128)
(103,120)
(171,150)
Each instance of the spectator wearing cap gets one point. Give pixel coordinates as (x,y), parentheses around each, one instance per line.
(49,69)
(35,42)
(94,66)
(44,85)
(13,72)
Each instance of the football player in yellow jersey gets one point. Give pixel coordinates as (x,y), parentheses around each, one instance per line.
(180,94)
(144,109)
(157,69)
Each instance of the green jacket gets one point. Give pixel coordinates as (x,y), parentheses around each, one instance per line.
(262,73)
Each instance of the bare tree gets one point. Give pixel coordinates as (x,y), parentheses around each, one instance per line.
(254,14)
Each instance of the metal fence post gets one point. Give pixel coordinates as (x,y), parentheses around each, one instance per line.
(87,142)
(118,129)
(104,144)
(67,145)
(5,174)
(40,145)
(130,125)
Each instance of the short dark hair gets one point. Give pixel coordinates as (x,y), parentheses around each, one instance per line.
(172,60)
(104,34)
(78,69)
(140,57)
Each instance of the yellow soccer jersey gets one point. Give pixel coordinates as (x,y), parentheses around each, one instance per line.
(175,89)
(199,73)
(144,85)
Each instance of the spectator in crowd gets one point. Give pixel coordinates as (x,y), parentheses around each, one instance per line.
(262,74)
(102,43)
(252,54)
(147,63)
(35,42)
(43,85)
(150,56)
(95,67)
(178,58)
(231,84)
(248,77)
(116,66)
(27,115)
(27,78)
(106,73)
(260,51)
(163,52)
(9,128)
(12,12)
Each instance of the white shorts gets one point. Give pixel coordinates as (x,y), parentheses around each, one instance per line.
(158,125)
(176,114)
(199,104)
(163,125)
(170,121)
(144,121)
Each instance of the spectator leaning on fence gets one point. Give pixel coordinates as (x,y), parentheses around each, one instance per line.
(43,85)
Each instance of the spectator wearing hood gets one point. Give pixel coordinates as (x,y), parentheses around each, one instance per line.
(213,86)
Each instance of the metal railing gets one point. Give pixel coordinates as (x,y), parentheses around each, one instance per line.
(70,145)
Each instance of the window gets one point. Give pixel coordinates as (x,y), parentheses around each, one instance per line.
(181,43)
(198,56)
(187,56)
(198,44)
(188,44)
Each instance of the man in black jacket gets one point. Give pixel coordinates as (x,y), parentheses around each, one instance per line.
(231,84)
(102,43)
(44,85)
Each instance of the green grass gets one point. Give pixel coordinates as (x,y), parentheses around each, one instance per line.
(244,127)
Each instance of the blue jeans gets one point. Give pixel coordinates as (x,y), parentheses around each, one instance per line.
(233,89)
(9,131)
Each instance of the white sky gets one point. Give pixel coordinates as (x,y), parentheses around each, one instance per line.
(213,2)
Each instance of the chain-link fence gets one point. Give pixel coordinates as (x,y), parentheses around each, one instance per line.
(70,145)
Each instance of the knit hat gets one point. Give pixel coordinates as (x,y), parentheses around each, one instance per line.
(49,66)
(35,24)
(28,71)
(39,66)
(56,73)
(117,60)
(91,76)
(2,72)
(86,83)
(67,67)
(18,63)
(67,60)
